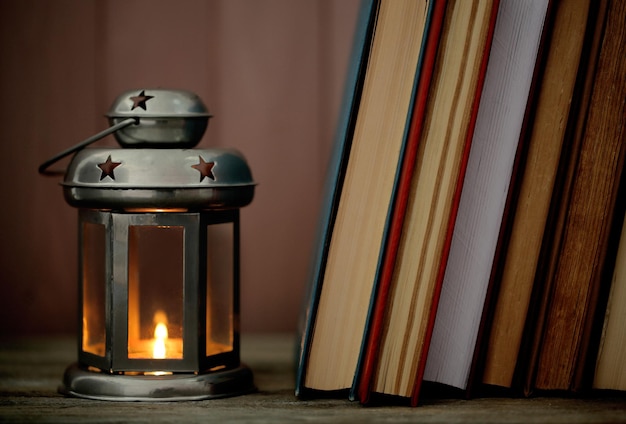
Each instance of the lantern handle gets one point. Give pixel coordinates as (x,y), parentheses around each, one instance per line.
(43,168)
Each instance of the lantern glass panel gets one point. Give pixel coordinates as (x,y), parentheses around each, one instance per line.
(155,292)
(93,288)
(220,288)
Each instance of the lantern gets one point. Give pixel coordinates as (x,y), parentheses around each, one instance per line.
(159,255)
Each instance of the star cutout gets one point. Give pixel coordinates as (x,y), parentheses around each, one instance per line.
(205,168)
(107,168)
(140,100)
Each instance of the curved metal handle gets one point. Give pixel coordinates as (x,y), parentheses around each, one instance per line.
(43,168)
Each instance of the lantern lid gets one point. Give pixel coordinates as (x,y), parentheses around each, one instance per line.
(112,178)
(165,118)
(158,102)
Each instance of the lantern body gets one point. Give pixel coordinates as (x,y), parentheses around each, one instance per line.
(177,271)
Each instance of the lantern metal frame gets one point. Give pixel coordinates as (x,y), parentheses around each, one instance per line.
(117,226)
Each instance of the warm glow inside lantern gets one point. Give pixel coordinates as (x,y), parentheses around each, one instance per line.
(163,265)
(159,257)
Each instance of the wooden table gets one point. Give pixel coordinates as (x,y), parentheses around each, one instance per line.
(31,370)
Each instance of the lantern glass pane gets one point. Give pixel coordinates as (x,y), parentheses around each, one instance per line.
(155,292)
(220,288)
(93,288)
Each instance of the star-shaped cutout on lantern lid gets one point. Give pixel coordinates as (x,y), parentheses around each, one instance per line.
(140,100)
(107,168)
(205,168)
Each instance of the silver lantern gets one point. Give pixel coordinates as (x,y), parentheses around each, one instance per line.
(159,255)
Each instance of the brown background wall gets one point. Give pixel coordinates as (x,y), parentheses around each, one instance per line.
(271,72)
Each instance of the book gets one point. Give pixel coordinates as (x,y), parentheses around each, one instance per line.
(379,304)
(493,151)
(610,368)
(531,192)
(434,192)
(561,194)
(346,276)
(334,180)
(476,386)
(588,206)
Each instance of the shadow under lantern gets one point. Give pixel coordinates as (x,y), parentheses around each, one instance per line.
(159,255)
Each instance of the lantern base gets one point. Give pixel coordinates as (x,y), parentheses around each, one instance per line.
(82,383)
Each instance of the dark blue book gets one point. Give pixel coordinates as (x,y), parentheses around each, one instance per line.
(334,180)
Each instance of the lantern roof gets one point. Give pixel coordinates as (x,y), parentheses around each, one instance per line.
(115,178)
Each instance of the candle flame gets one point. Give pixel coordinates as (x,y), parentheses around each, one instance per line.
(160,338)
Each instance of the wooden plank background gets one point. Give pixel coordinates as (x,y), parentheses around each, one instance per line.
(270,71)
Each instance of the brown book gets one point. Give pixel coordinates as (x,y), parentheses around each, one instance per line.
(586,209)
(610,369)
(533,190)
(549,253)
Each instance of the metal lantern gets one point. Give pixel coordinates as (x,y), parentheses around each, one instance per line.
(159,255)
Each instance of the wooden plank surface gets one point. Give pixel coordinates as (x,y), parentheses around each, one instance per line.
(31,370)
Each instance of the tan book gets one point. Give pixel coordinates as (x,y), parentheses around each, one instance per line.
(349,271)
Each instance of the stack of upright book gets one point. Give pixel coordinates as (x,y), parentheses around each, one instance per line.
(469,237)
